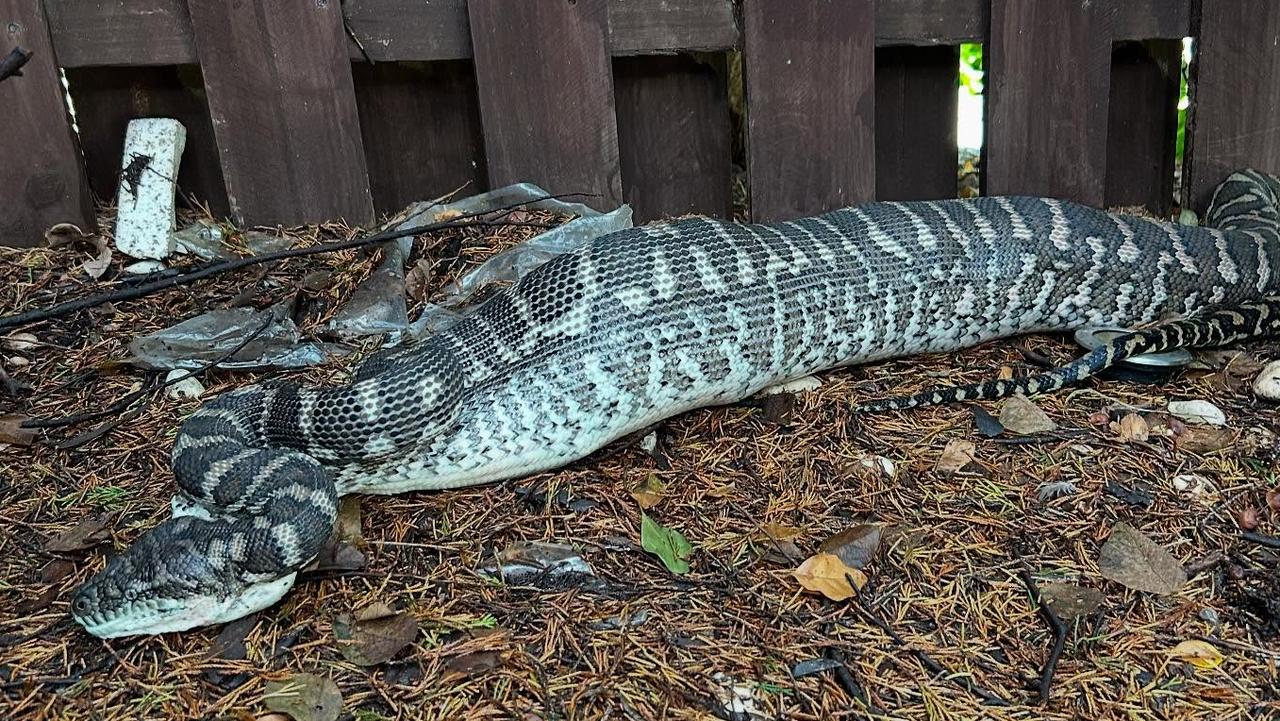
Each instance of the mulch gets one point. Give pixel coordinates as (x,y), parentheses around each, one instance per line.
(947,588)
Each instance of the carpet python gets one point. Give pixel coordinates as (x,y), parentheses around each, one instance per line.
(645,323)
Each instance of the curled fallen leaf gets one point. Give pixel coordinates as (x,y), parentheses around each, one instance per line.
(96,267)
(826,574)
(1205,439)
(775,542)
(374,635)
(955,456)
(1201,654)
(1132,427)
(89,532)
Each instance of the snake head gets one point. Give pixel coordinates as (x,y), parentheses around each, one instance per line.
(168,582)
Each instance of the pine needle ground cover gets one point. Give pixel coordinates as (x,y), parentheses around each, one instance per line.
(780,558)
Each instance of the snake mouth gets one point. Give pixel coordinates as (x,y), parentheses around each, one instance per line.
(130,615)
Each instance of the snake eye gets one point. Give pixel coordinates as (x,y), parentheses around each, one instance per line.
(80,605)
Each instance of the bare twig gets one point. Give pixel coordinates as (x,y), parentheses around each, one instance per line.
(217,268)
(846,680)
(1059,635)
(12,63)
(933,666)
(1261,539)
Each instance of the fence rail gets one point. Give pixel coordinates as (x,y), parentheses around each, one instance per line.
(304,111)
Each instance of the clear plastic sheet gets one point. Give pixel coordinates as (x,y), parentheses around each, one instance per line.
(207,241)
(512,263)
(198,341)
(377,306)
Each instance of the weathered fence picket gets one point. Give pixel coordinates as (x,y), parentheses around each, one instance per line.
(810,79)
(41,175)
(546,96)
(1047,85)
(284,110)
(1238,97)
(673,136)
(327,109)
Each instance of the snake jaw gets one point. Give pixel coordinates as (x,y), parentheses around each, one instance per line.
(166,582)
(162,615)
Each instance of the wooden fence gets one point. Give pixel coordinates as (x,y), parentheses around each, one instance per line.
(303,110)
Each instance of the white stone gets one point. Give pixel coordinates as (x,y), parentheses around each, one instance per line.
(1267,384)
(148,181)
(143,267)
(1200,412)
(188,387)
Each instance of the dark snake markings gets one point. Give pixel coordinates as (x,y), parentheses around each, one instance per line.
(649,322)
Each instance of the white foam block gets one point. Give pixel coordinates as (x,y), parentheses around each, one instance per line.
(148,182)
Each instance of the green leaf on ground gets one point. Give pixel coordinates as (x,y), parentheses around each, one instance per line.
(665,543)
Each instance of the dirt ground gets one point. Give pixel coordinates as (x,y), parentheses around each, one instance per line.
(403,622)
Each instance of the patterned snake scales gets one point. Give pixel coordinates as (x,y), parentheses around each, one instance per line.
(649,322)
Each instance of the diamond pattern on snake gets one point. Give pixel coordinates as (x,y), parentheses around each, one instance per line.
(650,322)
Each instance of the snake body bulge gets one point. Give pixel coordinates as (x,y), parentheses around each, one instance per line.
(640,325)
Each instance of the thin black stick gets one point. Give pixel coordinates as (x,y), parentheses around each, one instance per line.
(1260,539)
(12,63)
(1059,635)
(128,399)
(934,667)
(846,680)
(212,269)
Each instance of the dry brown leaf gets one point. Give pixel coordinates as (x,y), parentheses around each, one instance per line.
(774,542)
(1205,439)
(1133,560)
(1201,654)
(375,634)
(12,432)
(1132,428)
(1024,417)
(779,407)
(826,574)
(89,532)
(649,492)
(1070,601)
(1006,373)
(956,455)
(96,267)
(418,280)
(304,697)
(348,526)
(777,532)
(855,546)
